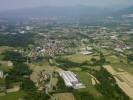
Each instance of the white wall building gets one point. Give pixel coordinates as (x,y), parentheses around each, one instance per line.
(1,74)
(71,80)
(85,52)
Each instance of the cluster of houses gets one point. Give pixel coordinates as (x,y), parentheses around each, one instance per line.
(55,47)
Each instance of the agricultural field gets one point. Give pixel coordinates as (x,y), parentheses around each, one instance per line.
(4,48)
(123,79)
(85,78)
(64,96)
(5,65)
(79,58)
(13,96)
(117,63)
(43,65)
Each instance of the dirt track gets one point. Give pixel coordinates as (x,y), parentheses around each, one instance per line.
(123,79)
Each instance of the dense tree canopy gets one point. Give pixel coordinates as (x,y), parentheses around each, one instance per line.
(17,40)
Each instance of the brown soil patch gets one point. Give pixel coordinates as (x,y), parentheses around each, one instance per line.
(64,96)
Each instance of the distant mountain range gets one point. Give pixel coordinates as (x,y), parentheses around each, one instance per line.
(127,12)
(73,11)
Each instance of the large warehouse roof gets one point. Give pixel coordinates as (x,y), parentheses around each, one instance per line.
(70,79)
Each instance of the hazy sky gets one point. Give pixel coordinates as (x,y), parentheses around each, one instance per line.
(15,4)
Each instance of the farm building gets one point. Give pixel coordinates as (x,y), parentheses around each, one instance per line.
(86,52)
(1,74)
(71,80)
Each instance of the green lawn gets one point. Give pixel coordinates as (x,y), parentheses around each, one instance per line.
(80,58)
(85,78)
(4,48)
(2,81)
(115,63)
(113,59)
(75,69)
(12,96)
(5,68)
(126,67)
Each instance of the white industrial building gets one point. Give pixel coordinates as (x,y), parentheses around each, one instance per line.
(86,52)
(1,74)
(71,80)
